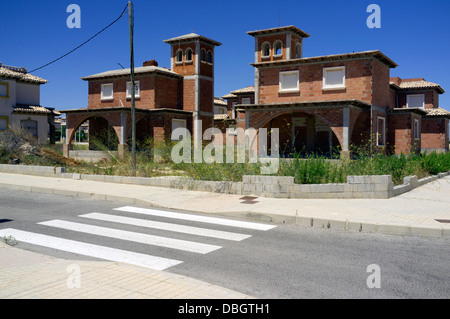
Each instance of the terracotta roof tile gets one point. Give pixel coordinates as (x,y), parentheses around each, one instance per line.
(219,101)
(437,112)
(20,108)
(22,75)
(233,94)
(421,84)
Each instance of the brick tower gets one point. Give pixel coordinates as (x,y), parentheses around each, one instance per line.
(277,44)
(192,56)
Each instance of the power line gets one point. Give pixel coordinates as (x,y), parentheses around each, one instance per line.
(63,56)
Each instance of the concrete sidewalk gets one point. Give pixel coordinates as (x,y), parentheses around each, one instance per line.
(24,274)
(27,275)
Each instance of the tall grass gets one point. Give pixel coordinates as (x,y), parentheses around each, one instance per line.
(154,159)
(310,169)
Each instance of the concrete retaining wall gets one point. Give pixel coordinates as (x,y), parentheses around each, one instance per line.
(284,187)
(91,156)
(411,182)
(32,170)
(374,187)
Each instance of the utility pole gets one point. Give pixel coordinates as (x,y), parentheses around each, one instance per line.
(133,85)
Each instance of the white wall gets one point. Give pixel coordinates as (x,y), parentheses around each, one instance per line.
(42,124)
(24,93)
(217,108)
(28,94)
(6,104)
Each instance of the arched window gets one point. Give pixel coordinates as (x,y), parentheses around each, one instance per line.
(277,48)
(203,55)
(298,50)
(265,50)
(189,55)
(179,56)
(209,57)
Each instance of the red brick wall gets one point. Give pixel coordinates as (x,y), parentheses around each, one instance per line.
(431,98)
(184,68)
(206,68)
(271,39)
(435,133)
(206,96)
(146,100)
(246,96)
(380,85)
(358,83)
(188,95)
(294,40)
(392,98)
(159,127)
(401,135)
(167,93)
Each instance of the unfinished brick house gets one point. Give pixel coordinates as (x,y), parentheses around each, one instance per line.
(165,98)
(326,103)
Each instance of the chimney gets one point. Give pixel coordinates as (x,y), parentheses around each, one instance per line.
(150,63)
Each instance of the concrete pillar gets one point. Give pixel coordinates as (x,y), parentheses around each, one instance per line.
(67,146)
(346,129)
(122,150)
(345,153)
(66,149)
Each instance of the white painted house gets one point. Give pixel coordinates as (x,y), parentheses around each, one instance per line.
(20,103)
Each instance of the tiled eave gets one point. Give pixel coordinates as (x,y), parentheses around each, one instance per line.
(305,105)
(330,58)
(407,111)
(124,108)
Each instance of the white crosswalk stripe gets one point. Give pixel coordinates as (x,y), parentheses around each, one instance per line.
(91,250)
(139,236)
(168,226)
(136,237)
(197,218)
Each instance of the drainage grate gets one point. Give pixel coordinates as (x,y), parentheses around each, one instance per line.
(443,221)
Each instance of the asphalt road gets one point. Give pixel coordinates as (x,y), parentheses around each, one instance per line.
(287,261)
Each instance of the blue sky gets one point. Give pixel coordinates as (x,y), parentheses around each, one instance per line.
(415,34)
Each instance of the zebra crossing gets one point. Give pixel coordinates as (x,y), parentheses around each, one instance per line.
(148,222)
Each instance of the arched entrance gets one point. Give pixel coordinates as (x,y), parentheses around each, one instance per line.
(301,134)
(102,135)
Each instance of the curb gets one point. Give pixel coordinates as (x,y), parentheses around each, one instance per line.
(310,222)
